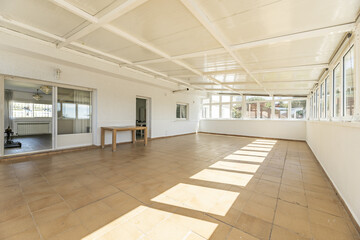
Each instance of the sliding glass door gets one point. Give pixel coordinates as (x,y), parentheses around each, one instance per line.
(39,116)
(28,117)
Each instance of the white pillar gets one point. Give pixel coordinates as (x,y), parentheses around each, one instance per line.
(2,101)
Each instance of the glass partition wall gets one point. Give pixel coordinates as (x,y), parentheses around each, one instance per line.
(40,117)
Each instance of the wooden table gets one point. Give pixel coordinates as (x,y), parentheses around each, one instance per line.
(115,129)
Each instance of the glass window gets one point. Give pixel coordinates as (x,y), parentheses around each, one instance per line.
(265,110)
(337,91)
(215,111)
(251,110)
(74,111)
(225,99)
(281,109)
(298,109)
(181,111)
(349,83)
(43,110)
(236,110)
(206,111)
(206,101)
(236,98)
(22,110)
(327,99)
(322,100)
(69,110)
(215,99)
(257,98)
(225,111)
(317,103)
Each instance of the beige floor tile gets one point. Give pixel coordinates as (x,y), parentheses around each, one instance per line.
(279,233)
(58,225)
(293,217)
(254,226)
(16,226)
(216,183)
(338,224)
(29,234)
(52,212)
(236,234)
(44,202)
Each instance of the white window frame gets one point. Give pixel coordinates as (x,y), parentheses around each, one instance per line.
(187,111)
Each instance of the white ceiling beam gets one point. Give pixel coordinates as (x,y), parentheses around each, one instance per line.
(270,70)
(153,49)
(297,36)
(289,37)
(162,76)
(95,22)
(113,14)
(71,8)
(30,28)
(253,83)
(202,18)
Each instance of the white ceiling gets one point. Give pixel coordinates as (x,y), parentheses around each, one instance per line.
(259,46)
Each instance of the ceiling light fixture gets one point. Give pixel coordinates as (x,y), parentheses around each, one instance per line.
(37,96)
(46,89)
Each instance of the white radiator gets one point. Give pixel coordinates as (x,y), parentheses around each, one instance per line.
(33,128)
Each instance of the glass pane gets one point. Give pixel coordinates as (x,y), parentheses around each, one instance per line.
(215,111)
(215,98)
(337,91)
(236,98)
(298,109)
(225,99)
(225,111)
(322,100)
(281,109)
(206,111)
(265,110)
(257,98)
(74,111)
(22,110)
(349,83)
(27,110)
(42,110)
(206,101)
(327,99)
(251,110)
(236,111)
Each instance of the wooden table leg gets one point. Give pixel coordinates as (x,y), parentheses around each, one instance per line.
(102,138)
(114,140)
(145,136)
(133,136)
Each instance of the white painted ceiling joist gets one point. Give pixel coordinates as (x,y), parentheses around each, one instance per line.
(202,18)
(96,22)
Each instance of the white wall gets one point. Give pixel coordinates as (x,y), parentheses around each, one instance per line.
(116,89)
(283,129)
(337,147)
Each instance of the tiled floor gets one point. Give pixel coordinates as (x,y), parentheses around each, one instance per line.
(189,187)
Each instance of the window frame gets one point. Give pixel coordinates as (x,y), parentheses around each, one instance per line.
(186,112)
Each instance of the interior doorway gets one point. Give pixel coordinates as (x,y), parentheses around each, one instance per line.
(142,116)
(27,117)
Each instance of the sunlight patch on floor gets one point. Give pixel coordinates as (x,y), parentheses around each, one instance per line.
(251,153)
(242,167)
(149,223)
(256,149)
(198,198)
(236,157)
(218,176)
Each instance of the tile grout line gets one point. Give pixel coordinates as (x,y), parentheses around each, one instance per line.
(278,195)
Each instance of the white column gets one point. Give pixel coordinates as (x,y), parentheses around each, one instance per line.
(2,101)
